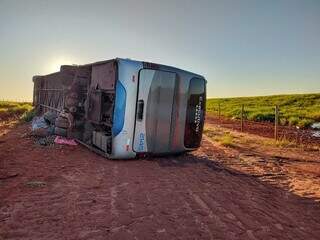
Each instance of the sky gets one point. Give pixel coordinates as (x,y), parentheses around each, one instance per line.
(242,47)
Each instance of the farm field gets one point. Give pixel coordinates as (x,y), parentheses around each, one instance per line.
(289,135)
(13,110)
(295,110)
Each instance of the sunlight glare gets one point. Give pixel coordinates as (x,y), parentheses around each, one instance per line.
(55,63)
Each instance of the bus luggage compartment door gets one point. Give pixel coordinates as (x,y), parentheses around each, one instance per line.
(154,111)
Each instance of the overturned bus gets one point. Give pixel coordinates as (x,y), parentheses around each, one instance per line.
(122,108)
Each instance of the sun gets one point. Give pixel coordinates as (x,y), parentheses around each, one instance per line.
(55,63)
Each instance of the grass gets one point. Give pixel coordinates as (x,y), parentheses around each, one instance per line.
(29,115)
(224,138)
(281,143)
(231,139)
(295,110)
(227,140)
(16,110)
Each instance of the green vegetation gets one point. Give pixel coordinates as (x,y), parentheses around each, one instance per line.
(224,138)
(281,143)
(227,140)
(296,110)
(29,115)
(16,110)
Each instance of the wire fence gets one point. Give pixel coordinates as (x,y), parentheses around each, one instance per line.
(270,119)
(16,100)
(243,115)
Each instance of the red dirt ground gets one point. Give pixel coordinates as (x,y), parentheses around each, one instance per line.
(80,195)
(266,129)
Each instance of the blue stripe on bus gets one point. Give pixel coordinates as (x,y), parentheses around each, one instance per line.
(119,109)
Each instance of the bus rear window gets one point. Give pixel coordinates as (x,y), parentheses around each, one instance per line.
(195,113)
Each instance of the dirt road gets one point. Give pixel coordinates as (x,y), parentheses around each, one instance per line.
(291,167)
(64,192)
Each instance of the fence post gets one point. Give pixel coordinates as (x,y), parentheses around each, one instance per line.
(219,111)
(242,110)
(276,122)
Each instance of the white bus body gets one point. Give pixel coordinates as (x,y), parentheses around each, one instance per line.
(153,109)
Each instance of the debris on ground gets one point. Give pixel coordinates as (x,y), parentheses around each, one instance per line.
(51,123)
(200,195)
(52,128)
(63,123)
(40,127)
(316,125)
(6,175)
(45,141)
(36,184)
(50,117)
(66,141)
(316,134)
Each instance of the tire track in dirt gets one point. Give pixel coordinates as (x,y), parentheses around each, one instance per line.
(114,194)
(291,169)
(192,196)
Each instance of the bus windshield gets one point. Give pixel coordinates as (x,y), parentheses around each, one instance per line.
(195,113)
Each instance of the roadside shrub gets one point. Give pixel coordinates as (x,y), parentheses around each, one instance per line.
(281,143)
(236,114)
(283,121)
(13,110)
(285,143)
(227,140)
(256,116)
(304,123)
(4,104)
(4,114)
(20,109)
(29,115)
(314,115)
(293,121)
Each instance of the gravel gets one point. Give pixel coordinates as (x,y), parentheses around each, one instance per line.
(45,141)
